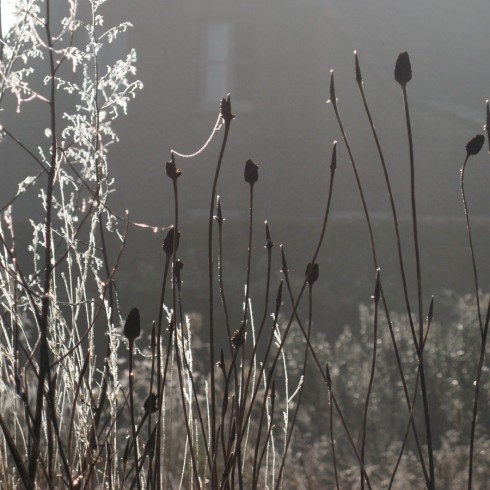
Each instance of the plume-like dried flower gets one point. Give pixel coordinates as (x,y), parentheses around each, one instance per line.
(225,107)
(312,273)
(251,172)
(132,326)
(403,69)
(168,241)
(474,146)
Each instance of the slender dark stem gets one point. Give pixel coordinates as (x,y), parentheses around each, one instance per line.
(332,438)
(371,377)
(300,395)
(470,238)
(419,292)
(211,296)
(131,409)
(477,396)
(392,204)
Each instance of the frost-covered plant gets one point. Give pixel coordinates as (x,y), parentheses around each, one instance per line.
(52,389)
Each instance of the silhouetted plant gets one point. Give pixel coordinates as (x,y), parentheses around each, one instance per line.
(271,404)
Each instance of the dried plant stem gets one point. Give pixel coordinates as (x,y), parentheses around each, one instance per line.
(330,419)
(376,298)
(420,351)
(211,296)
(477,397)
(360,84)
(470,238)
(300,394)
(131,409)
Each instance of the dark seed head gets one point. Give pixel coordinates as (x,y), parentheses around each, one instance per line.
(238,338)
(487,126)
(168,241)
(332,98)
(151,403)
(312,273)
(358,69)
(132,326)
(219,213)
(179,265)
(333,162)
(403,69)
(251,172)
(377,288)
(225,107)
(284,264)
(474,146)
(268,241)
(172,171)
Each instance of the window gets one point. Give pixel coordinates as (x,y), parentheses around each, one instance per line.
(227,64)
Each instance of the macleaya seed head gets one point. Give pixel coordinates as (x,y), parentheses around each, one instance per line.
(251,172)
(132,326)
(474,146)
(403,69)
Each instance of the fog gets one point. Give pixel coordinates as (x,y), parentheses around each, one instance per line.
(275,62)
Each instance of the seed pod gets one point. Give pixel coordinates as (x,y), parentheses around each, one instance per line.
(332,98)
(474,146)
(251,172)
(168,241)
(284,264)
(225,107)
(179,265)
(358,69)
(377,288)
(312,273)
(403,69)
(333,162)
(172,171)
(219,213)
(151,403)
(238,338)
(268,241)
(487,126)
(132,326)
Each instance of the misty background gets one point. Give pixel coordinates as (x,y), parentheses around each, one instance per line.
(275,57)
